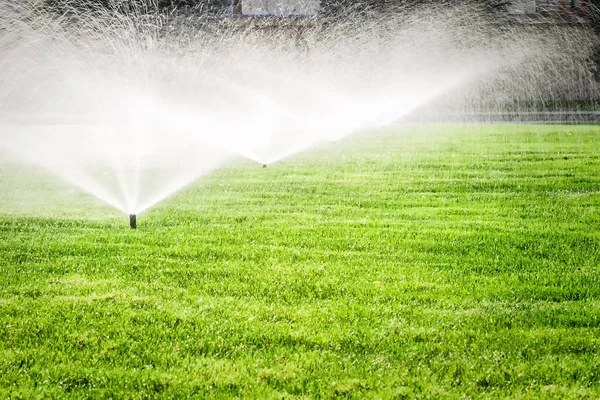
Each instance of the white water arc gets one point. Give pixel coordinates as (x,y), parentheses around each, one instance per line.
(131,108)
(91,117)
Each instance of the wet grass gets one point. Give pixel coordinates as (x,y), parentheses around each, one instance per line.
(425,262)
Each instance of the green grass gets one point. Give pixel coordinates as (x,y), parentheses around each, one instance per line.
(424,262)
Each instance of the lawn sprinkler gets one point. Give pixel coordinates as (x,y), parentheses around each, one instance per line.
(264,165)
(133,221)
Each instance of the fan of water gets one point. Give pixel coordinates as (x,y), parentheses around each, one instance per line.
(132,107)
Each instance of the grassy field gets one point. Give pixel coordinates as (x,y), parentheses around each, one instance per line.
(421,262)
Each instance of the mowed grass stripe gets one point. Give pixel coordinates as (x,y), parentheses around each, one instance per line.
(423,261)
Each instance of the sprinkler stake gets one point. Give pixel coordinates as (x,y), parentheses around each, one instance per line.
(133,221)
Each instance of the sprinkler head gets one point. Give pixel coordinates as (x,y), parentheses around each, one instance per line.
(132,221)
(264,165)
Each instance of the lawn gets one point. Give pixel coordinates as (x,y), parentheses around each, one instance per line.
(413,262)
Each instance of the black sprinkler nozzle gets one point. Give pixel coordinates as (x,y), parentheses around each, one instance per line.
(264,165)
(133,221)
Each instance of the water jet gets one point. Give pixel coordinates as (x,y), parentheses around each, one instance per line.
(134,107)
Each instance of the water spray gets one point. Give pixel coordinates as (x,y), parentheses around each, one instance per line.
(132,80)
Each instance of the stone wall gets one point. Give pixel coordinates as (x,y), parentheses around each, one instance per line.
(280,7)
(536,6)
